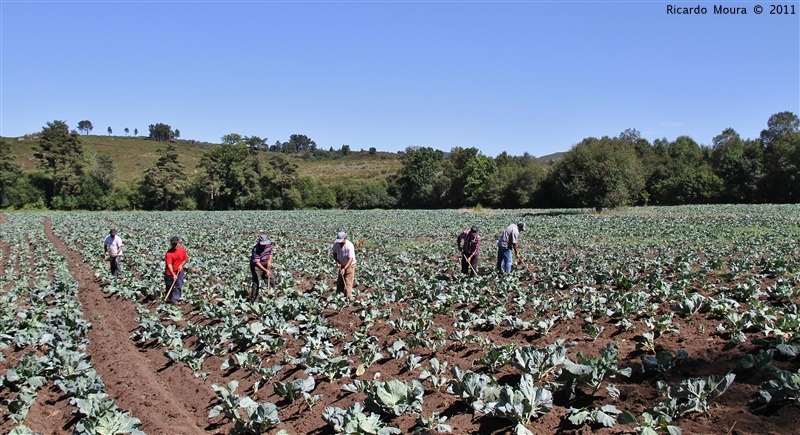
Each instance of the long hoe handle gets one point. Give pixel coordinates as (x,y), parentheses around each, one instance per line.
(528,266)
(169,292)
(470,264)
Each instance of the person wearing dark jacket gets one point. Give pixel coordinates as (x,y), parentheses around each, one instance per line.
(469,243)
(260,264)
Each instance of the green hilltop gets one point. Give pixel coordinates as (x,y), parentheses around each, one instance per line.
(133,155)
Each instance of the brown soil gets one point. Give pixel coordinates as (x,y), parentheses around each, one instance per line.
(168,399)
(162,396)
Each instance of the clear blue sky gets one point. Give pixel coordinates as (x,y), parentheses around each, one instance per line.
(524,76)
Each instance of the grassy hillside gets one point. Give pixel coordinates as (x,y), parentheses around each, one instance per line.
(133,155)
(356,165)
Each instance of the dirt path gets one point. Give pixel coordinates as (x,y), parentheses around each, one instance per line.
(168,399)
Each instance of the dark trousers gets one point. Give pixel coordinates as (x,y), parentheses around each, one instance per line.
(465,265)
(258,277)
(115,263)
(175,296)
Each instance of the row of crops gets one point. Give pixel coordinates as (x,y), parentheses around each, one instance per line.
(638,321)
(43,338)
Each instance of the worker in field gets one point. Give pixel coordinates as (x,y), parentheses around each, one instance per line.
(506,244)
(344,254)
(469,243)
(174,274)
(113,248)
(260,265)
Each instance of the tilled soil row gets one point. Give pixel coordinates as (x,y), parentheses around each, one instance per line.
(168,399)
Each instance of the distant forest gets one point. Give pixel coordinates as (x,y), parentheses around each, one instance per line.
(245,173)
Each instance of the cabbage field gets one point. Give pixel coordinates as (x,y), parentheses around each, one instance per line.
(648,320)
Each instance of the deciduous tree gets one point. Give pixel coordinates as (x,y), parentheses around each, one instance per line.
(601,173)
(682,174)
(314,194)
(466,171)
(416,179)
(515,183)
(232,139)
(738,163)
(364,194)
(781,147)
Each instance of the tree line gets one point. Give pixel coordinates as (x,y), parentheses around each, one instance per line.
(245,173)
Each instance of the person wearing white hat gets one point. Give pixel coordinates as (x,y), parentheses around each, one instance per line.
(260,264)
(344,253)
